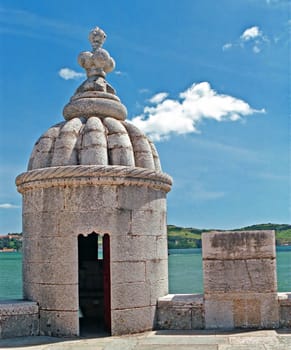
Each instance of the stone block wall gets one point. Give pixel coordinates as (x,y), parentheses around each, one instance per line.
(285,310)
(139,260)
(240,281)
(18,318)
(181,311)
(132,213)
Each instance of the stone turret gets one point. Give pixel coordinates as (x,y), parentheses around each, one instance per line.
(94,214)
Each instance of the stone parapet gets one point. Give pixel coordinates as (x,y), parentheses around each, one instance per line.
(18,318)
(240,281)
(232,245)
(285,309)
(180,311)
(224,311)
(241,310)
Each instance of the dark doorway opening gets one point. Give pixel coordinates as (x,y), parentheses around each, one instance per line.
(94,284)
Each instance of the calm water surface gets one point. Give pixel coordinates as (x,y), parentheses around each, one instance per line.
(185,272)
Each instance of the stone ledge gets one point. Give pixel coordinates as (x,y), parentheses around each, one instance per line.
(187,311)
(284,298)
(178,300)
(181,311)
(18,307)
(285,309)
(80,175)
(18,318)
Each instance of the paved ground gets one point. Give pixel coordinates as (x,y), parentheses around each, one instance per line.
(161,340)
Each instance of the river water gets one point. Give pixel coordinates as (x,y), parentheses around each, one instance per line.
(185,272)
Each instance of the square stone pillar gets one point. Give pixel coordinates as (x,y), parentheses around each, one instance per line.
(240,281)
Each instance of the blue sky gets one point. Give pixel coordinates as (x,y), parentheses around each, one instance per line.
(208,80)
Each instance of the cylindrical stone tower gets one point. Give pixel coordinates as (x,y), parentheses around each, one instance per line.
(94,214)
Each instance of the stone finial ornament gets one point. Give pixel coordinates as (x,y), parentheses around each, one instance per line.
(97,38)
(95,97)
(98,62)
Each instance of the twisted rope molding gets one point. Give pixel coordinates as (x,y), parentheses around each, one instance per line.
(93,174)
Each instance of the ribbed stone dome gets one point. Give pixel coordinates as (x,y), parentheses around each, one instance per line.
(94,131)
(94,141)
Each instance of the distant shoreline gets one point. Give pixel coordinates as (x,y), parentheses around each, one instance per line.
(178,237)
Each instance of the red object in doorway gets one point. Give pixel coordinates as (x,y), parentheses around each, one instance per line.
(107,282)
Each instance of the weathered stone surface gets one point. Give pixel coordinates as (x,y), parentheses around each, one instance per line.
(19,325)
(42,153)
(18,318)
(198,317)
(285,309)
(158,289)
(130,197)
(148,222)
(133,248)
(251,275)
(65,152)
(156,269)
(89,198)
(156,156)
(56,272)
(55,250)
(53,297)
(141,198)
(238,245)
(247,313)
(132,320)
(181,300)
(91,107)
(41,224)
(128,271)
(162,247)
(127,295)
(174,318)
(81,141)
(218,314)
(181,311)
(142,149)
(240,279)
(112,221)
(59,323)
(270,311)
(241,310)
(12,307)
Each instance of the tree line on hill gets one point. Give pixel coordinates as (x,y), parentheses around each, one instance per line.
(178,237)
(11,242)
(188,237)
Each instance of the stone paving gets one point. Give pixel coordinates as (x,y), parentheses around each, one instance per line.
(161,340)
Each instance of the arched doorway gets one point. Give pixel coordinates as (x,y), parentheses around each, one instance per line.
(94,283)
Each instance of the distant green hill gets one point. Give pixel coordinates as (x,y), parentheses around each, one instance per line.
(188,237)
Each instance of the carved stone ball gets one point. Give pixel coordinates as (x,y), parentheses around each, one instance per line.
(97,37)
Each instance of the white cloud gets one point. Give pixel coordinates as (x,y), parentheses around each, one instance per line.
(256,49)
(251,33)
(68,74)
(158,98)
(252,37)
(227,46)
(182,116)
(8,206)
